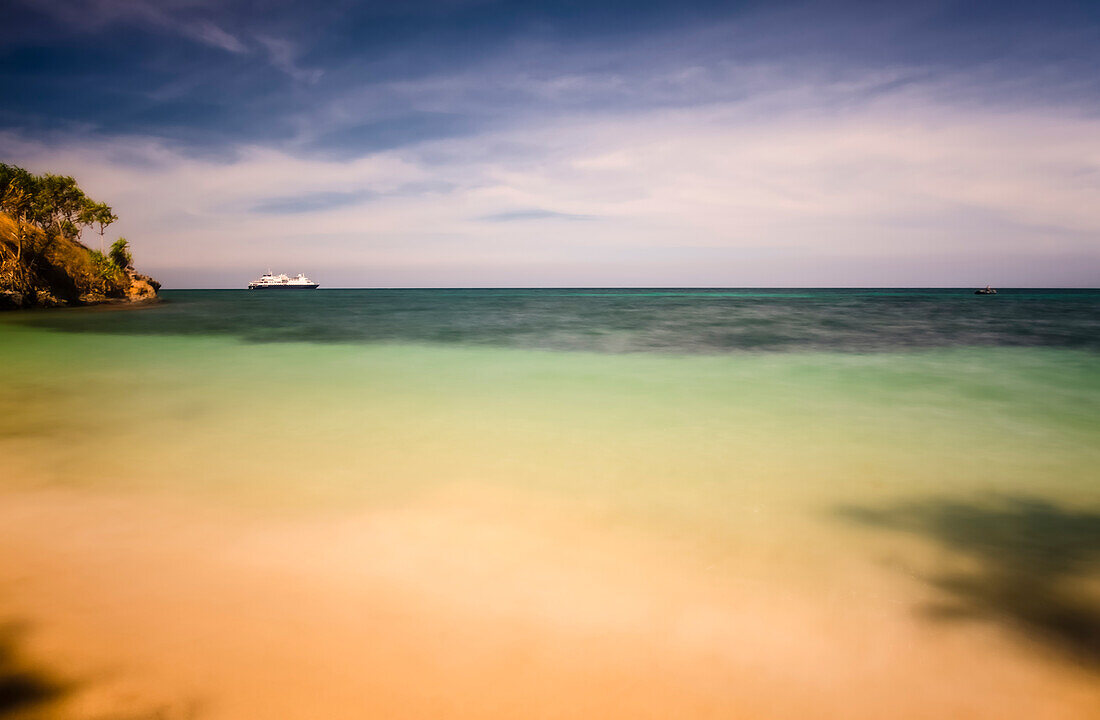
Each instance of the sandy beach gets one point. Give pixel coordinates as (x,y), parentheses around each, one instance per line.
(140,606)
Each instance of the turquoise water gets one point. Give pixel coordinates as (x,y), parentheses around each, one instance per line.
(666,391)
(797,430)
(667,321)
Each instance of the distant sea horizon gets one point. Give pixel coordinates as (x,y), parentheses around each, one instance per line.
(665,287)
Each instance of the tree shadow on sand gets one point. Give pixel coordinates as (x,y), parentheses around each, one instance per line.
(23,687)
(28,690)
(1026,562)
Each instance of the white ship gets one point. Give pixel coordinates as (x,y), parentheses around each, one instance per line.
(282,282)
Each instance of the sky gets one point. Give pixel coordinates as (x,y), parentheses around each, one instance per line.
(466,143)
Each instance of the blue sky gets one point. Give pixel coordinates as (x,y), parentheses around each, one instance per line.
(469,142)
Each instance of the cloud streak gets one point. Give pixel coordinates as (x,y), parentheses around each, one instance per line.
(532,214)
(84,15)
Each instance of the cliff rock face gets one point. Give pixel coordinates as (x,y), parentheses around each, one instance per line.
(10,300)
(142,287)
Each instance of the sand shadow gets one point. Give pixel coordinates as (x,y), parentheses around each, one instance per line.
(1021,561)
(29,690)
(23,687)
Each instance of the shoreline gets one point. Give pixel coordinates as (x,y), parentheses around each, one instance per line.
(111,303)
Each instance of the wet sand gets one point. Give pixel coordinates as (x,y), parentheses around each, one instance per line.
(479,603)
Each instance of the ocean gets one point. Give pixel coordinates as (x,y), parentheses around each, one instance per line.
(748,502)
(661,320)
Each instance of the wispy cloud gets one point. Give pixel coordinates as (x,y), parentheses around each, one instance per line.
(307,203)
(532,214)
(283,54)
(211,34)
(167,16)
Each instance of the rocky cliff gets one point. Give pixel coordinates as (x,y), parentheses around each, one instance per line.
(43,262)
(41,271)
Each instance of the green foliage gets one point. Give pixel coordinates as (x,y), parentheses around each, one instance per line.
(119,254)
(54,203)
(50,212)
(94,213)
(18,189)
(110,270)
(58,204)
(108,278)
(100,262)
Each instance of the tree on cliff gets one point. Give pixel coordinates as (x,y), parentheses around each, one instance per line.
(53,203)
(17,193)
(98,214)
(59,205)
(41,257)
(18,189)
(120,254)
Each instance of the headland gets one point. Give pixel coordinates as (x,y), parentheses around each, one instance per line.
(44,263)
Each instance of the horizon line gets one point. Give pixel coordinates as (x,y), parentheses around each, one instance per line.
(668,287)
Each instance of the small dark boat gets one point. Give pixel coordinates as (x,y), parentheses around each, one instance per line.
(985,291)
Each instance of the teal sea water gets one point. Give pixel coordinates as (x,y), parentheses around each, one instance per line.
(669,321)
(677,393)
(777,436)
